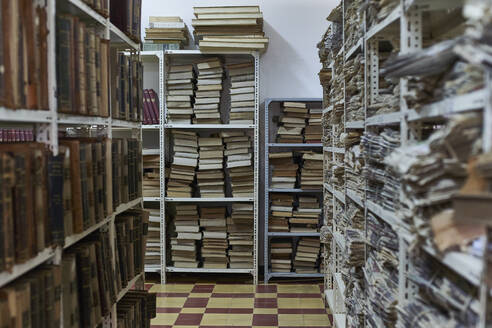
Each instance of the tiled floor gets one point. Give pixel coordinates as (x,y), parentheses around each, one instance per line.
(210,305)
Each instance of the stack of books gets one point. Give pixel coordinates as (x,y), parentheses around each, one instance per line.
(180,93)
(239,164)
(242,93)
(210,175)
(215,242)
(292,122)
(281,255)
(151,181)
(207,101)
(313,131)
(312,171)
(229,28)
(284,173)
(307,255)
(306,217)
(185,161)
(281,207)
(167,30)
(153,246)
(240,229)
(136,307)
(183,246)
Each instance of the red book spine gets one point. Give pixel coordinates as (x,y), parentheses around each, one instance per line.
(150,106)
(155,104)
(146,116)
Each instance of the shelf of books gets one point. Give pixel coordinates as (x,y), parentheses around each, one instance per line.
(70,160)
(209,215)
(293,188)
(395,246)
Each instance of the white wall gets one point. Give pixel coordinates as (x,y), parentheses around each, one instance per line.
(290,66)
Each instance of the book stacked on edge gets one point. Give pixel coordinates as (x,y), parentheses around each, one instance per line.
(229,28)
(306,217)
(240,229)
(151,181)
(242,93)
(215,242)
(151,107)
(210,175)
(126,15)
(185,161)
(292,122)
(284,174)
(281,255)
(207,98)
(312,171)
(183,246)
(126,87)
(281,207)
(180,90)
(307,255)
(167,30)
(313,131)
(239,164)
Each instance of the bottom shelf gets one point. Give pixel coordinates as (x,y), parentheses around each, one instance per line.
(294,275)
(153,268)
(339,319)
(129,286)
(205,270)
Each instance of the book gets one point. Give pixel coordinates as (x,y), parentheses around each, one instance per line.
(242,93)
(184,249)
(210,174)
(240,231)
(126,15)
(151,176)
(215,238)
(180,111)
(167,30)
(239,163)
(137,307)
(312,171)
(208,98)
(307,257)
(284,170)
(281,255)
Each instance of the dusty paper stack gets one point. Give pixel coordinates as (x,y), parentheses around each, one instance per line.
(388,98)
(307,255)
(240,229)
(379,10)
(354,74)
(207,98)
(242,92)
(167,30)
(281,255)
(292,122)
(183,246)
(306,218)
(354,22)
(153,246)
(284,173)
(180,86)
(229,28)
(354,163)
(239,163)
(313,131)
(215,242)
(281,207)
(312,171)
(210,175)
(151,181)
(185,161)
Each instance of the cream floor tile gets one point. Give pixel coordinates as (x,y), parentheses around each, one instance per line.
(178,288)
(170,301)
(300,303)
(193,310)
(298,289)
(316,320)
(215,303)
(240,320)
(242,303)
(290,320)
(266,295)
(265,311)
(214,319)
(234,289)
(164,319)
(200,295)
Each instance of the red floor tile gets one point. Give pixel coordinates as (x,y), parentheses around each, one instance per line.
(196,302)
(188,319)
(265,320)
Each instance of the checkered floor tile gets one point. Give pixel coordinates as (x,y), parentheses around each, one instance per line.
(229,305)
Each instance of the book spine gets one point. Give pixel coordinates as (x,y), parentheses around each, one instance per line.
(150,106)
(124,167)
(67,191)
(115,173)
(43,57)
(55,190)
(146,116)
(98,61)
(92,73)
(30,48)
(64,93)
(84,285)
(95,283)
(154,100)
(39,188)
(84,187)
(80,81)
(3,235)
(90,184)
(122,99)
(2,63)
(108,177)
(104,77)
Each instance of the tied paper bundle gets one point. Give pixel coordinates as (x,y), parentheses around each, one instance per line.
(242,92)
(354,162)
(239,163)
(281,255)
(180,92)
(281,209)
(207,97)
(355,244)
(313,131)
(327,130)
(210,175)
(229,28)
(167,30)
(336,91)
(183,246)
(185,161)
(240,229)
(153,246)
(433,171)
(307,215)
(215,242)
(354,22)
(354,302)
(354,74)
(354,216)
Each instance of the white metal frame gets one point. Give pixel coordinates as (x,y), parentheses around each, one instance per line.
(208,127)
(47,124)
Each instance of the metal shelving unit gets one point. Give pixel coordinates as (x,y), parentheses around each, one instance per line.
(404,24)
(190,56)
(270,145)
(47,124)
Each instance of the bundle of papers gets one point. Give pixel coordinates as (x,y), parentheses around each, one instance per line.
(307,255)
(281,208)
(151,181)
(312,171)
(306,218)
(281,255)
(240,229)
(167,30)
(292,122)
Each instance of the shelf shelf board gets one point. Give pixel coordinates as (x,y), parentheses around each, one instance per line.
(154,53)
(339,320)
(293,234)
(355,125)
(129,286)
(353,196)
(25,115)
(384,119)
(205,270)
(339,195)
(327,109)
(217,52)
(122,124)
(463,103)
(209,200)
(152,199)
(391,18)
(209,126)
(152,268)
(329,298)
(150,126)
(82,7)
(352,51)
(71,119)
(339,282)
(117,36)
(295,190)
(295,145)
(150,152)
(20,269)
(294,275)
(73,239)
(385,215)
(328,187)
(337,150)
(123,207)
(339,239)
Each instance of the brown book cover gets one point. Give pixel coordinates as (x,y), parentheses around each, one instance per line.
(71,314)
(40,199)
(42,57)
(104,68)
(80,66)
(7,182)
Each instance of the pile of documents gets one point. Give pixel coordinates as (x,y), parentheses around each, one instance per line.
(354,86)
(292,122)
(307,255)
(242,92)
(215,242)
(185,161)
(281,255)
(180,86)
(151,180)
(207,98)
(284,173)
(240,229)
(229,28)
(183,246)
(239,163)
(167,30)
(153,246)
(306,218)
(355,248)
(354,163)
(210,175)
(281,208)
(313,131)
(354,215)
(379,9)
(353,23)
(312,171)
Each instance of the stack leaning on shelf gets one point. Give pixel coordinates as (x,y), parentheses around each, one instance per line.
(229,28)
(306,218)
(242,92)
(167,30)
(210,174)
(239,163)
(185,161)
(312,171)
(284,173)
(281,255)
(281,208)
(240,230)
(180,88)
(307,255)
(207,98)
(183,246)
(292,122)
(215,242)
(151,181)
